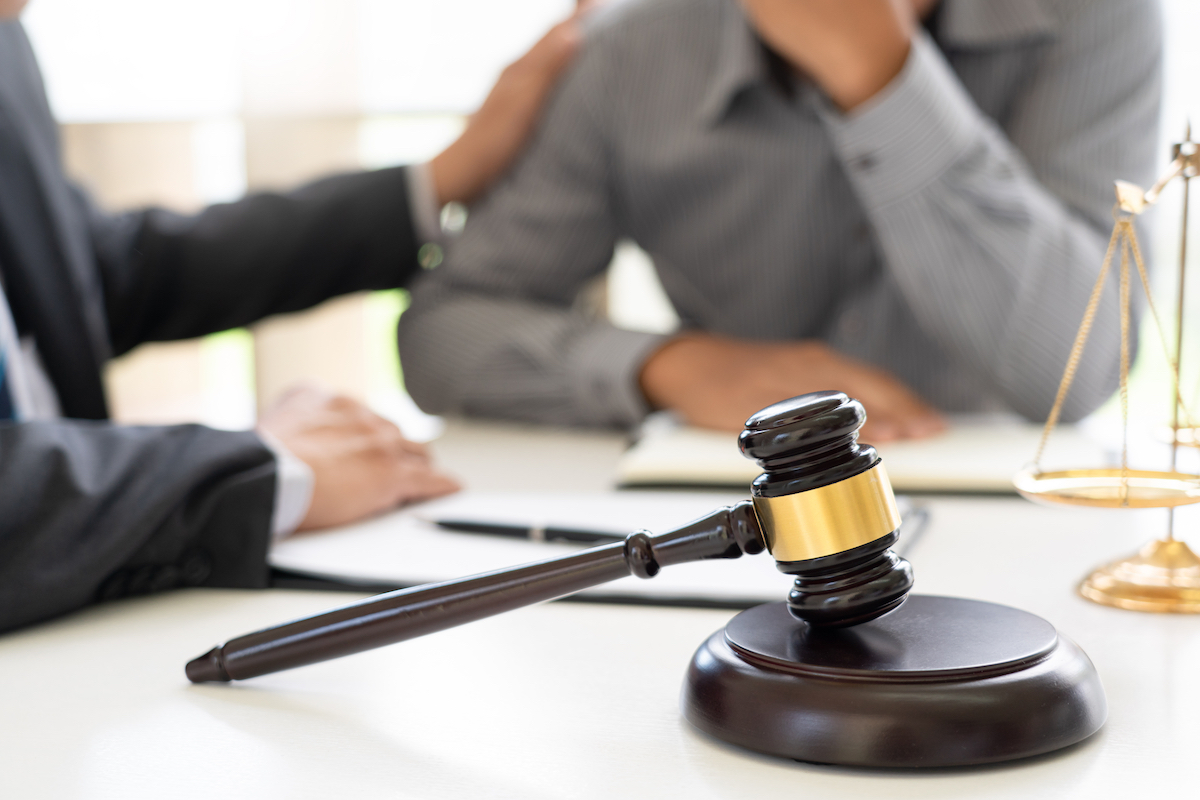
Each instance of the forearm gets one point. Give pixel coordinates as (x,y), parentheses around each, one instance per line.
(91,511)
(168,276)
(1005,297)
(513,359)
(996,267)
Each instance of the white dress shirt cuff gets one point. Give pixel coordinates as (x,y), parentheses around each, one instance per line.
(423,204)
(293,488)
(909,134)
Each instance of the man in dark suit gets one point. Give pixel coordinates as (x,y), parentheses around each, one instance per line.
(90,510)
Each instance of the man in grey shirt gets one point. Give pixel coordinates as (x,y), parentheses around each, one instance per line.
(867,195)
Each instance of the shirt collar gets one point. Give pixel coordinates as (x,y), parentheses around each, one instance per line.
(741,60)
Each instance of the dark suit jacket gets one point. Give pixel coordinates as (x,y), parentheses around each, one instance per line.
(91,510)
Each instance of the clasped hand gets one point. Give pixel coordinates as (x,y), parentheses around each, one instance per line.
(362,464)
(718,382)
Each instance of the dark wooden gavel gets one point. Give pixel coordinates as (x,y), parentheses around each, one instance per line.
(823,507)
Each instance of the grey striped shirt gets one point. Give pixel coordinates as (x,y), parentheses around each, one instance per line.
(949,231)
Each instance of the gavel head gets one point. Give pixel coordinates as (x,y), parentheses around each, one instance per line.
(826,509)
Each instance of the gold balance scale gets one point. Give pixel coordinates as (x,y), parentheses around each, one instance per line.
(1164,576)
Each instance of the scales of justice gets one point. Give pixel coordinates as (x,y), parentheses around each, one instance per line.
(851,668)
(1164,576)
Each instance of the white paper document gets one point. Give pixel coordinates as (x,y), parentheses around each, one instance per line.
(974,455)
(405,548)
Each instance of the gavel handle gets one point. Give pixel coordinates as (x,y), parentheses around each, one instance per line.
(409,613)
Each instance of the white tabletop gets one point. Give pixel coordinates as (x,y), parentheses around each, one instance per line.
(565,700)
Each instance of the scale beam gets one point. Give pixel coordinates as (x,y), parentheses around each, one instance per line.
(1132,199)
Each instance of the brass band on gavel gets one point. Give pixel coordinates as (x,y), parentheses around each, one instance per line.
(829,519)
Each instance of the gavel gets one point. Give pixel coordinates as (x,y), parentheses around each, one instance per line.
(823,508)
(850,670)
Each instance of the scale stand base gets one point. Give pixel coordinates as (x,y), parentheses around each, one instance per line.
(1164,578)
(939,682)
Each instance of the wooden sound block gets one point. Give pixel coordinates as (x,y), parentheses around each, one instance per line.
(939,682)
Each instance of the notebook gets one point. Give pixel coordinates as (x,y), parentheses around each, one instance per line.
(977,454)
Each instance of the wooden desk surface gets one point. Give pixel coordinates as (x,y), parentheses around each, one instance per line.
(562,700)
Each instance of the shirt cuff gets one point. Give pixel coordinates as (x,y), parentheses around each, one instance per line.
(604,373)
(293,488)
(909,134)
(426,214)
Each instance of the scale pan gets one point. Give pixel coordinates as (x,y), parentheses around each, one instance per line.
(1109,488)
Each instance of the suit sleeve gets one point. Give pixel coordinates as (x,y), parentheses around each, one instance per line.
(171,276)
(92,511)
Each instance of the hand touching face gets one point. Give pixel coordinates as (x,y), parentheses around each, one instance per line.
(851,48)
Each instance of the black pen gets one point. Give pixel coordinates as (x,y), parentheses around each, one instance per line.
(913,522)
(534,533)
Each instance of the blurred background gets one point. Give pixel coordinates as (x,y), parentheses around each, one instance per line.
(183,103)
